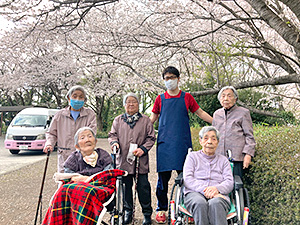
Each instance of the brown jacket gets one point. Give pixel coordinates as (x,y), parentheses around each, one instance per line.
(142,134)
(236,132)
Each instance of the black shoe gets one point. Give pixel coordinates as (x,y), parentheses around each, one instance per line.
(147,220)
(127,217)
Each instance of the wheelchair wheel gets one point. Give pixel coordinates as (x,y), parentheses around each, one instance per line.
(247,204)
(177,199)
(176,195)
(118,215)
(240,204)
(185,220)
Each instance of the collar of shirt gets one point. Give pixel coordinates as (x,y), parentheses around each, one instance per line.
(227,110)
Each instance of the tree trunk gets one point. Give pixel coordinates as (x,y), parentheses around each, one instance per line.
(293,5)
(288,33)
(99,106)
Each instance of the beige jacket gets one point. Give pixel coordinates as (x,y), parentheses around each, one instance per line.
(236,132)
(63,128)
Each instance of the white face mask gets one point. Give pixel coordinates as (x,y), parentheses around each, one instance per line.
(171,84)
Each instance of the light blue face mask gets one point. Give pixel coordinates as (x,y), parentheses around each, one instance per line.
(76,104)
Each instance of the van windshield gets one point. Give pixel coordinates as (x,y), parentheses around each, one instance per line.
(29,120)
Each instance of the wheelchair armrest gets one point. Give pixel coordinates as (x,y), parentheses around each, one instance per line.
(179,179)
(238,183)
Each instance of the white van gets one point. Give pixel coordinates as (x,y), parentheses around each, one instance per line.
(27,130)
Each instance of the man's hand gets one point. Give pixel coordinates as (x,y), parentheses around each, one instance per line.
(210,192)
(48,148)
(247,160)
(138,152)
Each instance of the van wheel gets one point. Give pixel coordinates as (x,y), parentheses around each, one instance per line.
(15,152)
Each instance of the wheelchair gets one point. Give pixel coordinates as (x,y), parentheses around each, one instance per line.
(89,201)
(179,215)
(115,206)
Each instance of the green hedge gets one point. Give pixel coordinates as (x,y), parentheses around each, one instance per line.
(274,176)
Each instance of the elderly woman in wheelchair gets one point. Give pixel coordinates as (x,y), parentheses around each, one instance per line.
(208,180)
(88,185)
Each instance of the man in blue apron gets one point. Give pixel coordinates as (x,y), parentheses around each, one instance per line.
(174,135)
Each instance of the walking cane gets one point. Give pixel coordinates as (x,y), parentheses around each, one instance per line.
(135,189)
(41,192)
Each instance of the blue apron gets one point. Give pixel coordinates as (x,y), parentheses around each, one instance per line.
(174,134)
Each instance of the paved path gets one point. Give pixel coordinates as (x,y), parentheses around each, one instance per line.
(10,162)
(19,189)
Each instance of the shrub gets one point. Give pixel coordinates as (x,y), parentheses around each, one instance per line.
(195,138)
(274,177)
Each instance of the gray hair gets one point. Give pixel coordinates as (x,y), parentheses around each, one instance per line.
(130,95)
(75,88)
(228,87)
(81,130)
(206,129)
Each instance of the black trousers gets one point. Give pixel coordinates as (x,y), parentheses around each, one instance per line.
(162,189)
(143,191)
(238,168)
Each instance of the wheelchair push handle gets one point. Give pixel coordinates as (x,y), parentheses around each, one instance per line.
(114,153)
(229,154)
(115,150)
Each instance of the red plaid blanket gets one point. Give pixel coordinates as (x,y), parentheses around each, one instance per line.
(80,202)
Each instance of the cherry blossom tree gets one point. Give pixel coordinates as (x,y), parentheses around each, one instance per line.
(37,64)
(126,44)
(231,41)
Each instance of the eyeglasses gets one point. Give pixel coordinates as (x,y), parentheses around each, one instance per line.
(170,78)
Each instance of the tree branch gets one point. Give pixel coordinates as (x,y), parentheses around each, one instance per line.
(258,111)
(287,32)
(293,5)
(288,79)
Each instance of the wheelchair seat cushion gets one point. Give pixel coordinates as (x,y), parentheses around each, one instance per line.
(231,213)
(183,209)
(81,202)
